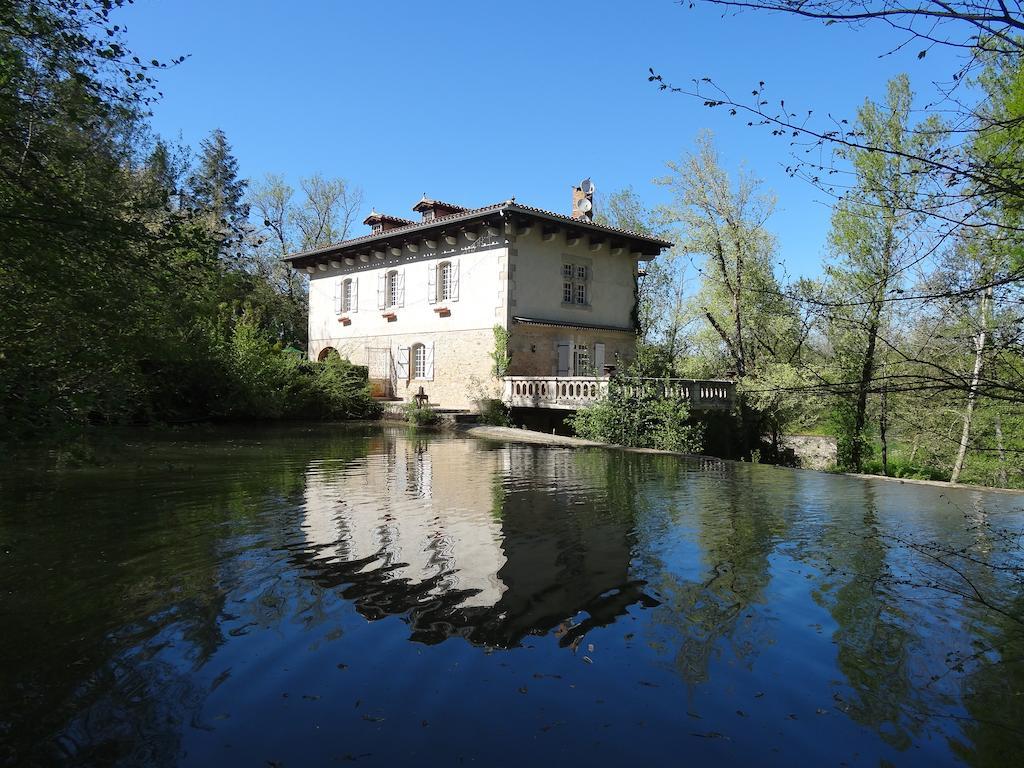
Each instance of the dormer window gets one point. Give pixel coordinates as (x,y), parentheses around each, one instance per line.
(431,209)
(382,222)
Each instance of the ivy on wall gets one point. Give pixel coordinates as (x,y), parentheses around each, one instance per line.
(501,356)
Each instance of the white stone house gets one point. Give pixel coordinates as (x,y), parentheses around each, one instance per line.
(417,301)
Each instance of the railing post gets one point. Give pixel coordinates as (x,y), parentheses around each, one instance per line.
(695,398)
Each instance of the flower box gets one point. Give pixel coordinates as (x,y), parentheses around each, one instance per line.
(389,316)
(345,320)
(443,311)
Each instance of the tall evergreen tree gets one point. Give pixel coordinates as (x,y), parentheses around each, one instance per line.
(218,193)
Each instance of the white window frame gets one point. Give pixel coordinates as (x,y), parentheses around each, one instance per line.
(581,360)
(444,281)
(418,361)
(346,295)
(391,289)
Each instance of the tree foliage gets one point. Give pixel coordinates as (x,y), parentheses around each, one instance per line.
(128,275)
(636,412)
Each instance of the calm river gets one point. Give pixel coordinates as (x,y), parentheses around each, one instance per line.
(317,595)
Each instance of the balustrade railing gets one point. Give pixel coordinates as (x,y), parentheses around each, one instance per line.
(572,392)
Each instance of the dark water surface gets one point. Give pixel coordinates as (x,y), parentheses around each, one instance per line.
(314,596)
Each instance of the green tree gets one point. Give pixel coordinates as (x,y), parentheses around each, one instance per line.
(741,320)
(327,212)
(218,193)
(661,283)
(874,239)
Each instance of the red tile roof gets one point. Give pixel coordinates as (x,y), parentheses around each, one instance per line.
(652,243)
(375,217)
(429,202)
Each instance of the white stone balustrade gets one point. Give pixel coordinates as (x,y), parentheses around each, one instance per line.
(573,392)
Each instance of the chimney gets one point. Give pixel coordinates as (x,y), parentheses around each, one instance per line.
(583,200)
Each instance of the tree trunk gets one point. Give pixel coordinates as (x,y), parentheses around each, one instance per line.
(867,373)
(1001,476)
(972,392)
(881,433)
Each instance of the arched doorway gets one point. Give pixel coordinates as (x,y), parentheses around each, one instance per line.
(327,352)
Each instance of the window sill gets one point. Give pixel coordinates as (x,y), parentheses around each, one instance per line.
(573,305)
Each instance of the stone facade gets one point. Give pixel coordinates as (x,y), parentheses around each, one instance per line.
(462,363)
(534,348)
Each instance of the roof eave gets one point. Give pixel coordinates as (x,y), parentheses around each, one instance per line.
(566,221)
(416,228)
(654,245)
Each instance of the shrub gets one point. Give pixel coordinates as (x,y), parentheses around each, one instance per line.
(420,415)
(270,383)
(635,414)
(495,413)
(344,390)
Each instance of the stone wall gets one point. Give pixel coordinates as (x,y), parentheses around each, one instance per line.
(461,359)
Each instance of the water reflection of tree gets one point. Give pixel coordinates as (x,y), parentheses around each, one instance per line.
(873,638)
(925,627)
(974,570)
(993,694)
(736,523)
(118,581)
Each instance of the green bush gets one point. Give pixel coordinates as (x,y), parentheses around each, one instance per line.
(420,415)
(635,415)
(343,389)
(267,382)
(495,413)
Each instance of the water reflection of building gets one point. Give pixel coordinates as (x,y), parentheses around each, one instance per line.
(410,514)
(488,542)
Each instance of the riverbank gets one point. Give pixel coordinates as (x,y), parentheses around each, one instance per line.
(541,438)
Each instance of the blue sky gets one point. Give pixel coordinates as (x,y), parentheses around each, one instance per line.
(475,102)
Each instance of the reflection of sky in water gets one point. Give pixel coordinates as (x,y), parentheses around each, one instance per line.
(320,595)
